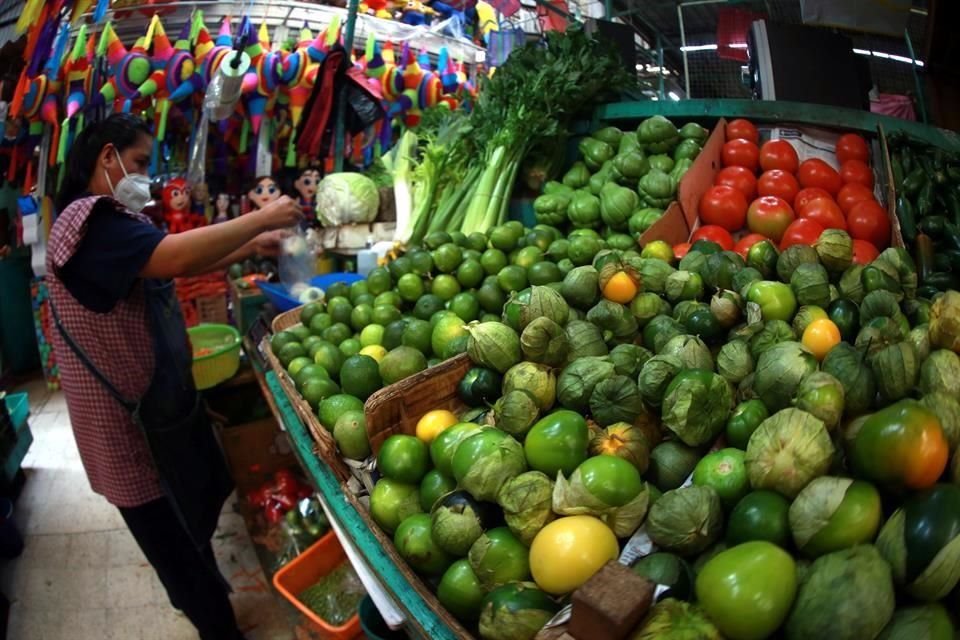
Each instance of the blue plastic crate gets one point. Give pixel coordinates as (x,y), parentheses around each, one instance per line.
(18,406)
(282,299)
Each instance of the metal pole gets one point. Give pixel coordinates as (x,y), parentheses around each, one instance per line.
(683,50)
(608,9)
(916,77)
(340,130)
(660,74)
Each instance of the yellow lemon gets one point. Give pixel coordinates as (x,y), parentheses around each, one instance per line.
(433,423)
(375,351)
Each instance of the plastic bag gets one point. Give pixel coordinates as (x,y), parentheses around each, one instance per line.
(335,597)
(297,261)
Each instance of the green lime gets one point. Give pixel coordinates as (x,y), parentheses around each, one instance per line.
(492,261)
(309,341)
(329,357)
(447,258)
(365,298)
(470,273)
(558,249)
(335,406)
(372,334)
(350,347)
(340,309)
(504,238)
(361,316)
(315,390)
(527,257)
(320,322)
(440,315)
(350,432)
(516,227)
(760,515)
(337,290)
(470,254)
(544,273)
(337,333)
(422,262)
(465,305)
(512,278)
(400,267)
(385,314)
(301,332)
(417,335)
(540,238)
(360,376)
(280,339)
(491,298)
(393,333)
(434,486)
(401,363)
(436,239)
(489,317)
(404,459)
(297,364)
(389,298)
(308,311)
(458,238)
(476,241)
(445,287)
(447,330)
(312,370)
(358,288)
(426,306)
(379,281)
(725,471)
(289,352)
(410,287)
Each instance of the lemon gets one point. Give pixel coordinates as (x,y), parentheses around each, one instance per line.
(375,351)
(433,423)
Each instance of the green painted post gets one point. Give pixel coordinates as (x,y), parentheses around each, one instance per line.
(340,133)
(916,78)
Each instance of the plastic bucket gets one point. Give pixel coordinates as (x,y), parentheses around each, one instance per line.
(11,542)
(373,625)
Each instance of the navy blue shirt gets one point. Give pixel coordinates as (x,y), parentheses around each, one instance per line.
(109,258)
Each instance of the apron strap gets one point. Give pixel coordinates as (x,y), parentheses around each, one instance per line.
(92,368)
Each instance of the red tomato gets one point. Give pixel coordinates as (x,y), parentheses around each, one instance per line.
(741,153)
(851,194)
(856,171)
(743,245)
(769,216)
(801,232)
(740,178)
(864,252)
(713,233)
(825,212)
(869,221)
(680,250)
(808,194)
(779,154)
(724,206)
(741,128)
(780,183)
(817,173)
(850,146)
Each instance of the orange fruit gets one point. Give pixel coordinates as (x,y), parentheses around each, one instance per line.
(620,288)
(820,337)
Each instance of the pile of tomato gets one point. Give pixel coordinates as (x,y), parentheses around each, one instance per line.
(765,192)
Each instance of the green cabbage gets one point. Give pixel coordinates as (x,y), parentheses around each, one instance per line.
(347,198)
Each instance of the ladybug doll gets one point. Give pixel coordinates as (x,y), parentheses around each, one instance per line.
(177,205)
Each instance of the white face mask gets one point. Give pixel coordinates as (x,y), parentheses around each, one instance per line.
(133,190)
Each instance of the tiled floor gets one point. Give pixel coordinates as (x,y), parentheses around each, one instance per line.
(82,576)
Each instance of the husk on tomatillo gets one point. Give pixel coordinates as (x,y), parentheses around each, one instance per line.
(835,250)
(585,340)
(945,322)
(493,345)
(624,440)
(488,473)
(793,257)
(545,342)
(577,381)
(573,498)
(615,399)
(941,372)
(726,307)
(656,376)
(787,451)
(947,409)
(896,369)
(779,372)
(686,520)
(821,395)
(516,412)
(692,352)
(811,284)
(536,379)
(734,362)
(628,359)
(848,365)
(695,408)
(527,501)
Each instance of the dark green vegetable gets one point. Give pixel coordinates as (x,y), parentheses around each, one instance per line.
(914,182)
(908,223)
(336,597)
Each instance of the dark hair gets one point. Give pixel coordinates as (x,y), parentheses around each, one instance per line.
(122,130)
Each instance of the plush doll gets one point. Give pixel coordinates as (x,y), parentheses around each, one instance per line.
(263,191)
(378,8)
(416,13)
(176,205)
(223,208)
(306,186)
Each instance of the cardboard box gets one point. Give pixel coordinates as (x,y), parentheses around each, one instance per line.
(255,450)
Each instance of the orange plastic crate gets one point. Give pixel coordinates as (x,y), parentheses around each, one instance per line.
(305,570)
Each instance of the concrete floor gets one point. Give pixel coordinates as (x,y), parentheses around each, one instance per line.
(82,575)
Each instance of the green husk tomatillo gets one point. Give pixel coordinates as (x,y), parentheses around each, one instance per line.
(929,621)
(526,502)
(493,345)
(628,359)
(821,395)
(720,269)
(763,256)
(878,304)
(805,315)
(690,350)
(515,611)
(647,306)
(780,369)
(793,257)
(686,520)
(896,370)
(615,399)
(835,250)
(545,342)
(675,619)
(851,283)
(536,379)
(941,372)
(945,322)
(659,331)
(919,337)
(585,491)
(811,284)
(696,404)
(834,513)
(787,451)
(848,365)
(585,340)
(655,376)
(684,285)
(581,287)
(516,412)
(734,362)
(773,333)
(653,273)
(726,307)
(623,440)
(485,461)
(578,380)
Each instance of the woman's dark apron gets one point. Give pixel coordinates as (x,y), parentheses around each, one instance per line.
(190,465)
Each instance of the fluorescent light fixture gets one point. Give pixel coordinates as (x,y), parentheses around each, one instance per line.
(862,52)
(738,45)
(699,47)
(654,98)
(879,54)
(674,96)
(639,67)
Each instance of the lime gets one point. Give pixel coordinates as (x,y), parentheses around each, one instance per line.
(289,352)
(445,287)
(458,238)
(379,281)
(417,334)
(312,370)
(512,278)
(400,267)
(360,376)
(280,339)
(335,406)
(350,432)
(476,241)
(329,357)
(558,249)
(389,298)
(297,364)
(410,287)
(422,262)
(385,314)
(308,311)
(440,315)
(404,459)
(447,258)
(492,261)
(465,305)
(365,298)
(447,330)
(315,390)
(310,340)
(350,347)
(337,333)
(725,471)
(504,238)
(401,363)
(358,288)
(470,254)
(583,249)
(375,351)
(320,322)
(393,333)
(515,226)
(300,332)
(527,257)
(566,266)
(760,515)
(361,316)
(371,334)
(491,298)
(436,239)
(337,289)
(544,273)
(489,317)
(339,309)
(427,306)
(470,273)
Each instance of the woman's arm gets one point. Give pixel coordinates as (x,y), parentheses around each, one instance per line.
(266,244)
(205,249)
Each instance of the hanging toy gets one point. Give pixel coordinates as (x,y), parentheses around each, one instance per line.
(176,205)
(128,69)
(78,81)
